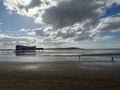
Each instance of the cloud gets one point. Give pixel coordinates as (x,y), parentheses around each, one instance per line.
(39,32)
(10,41)
(29,8)
(66,35)
(70,12)
(31,33)
(23,7)
(34,3)
(42,32)
(60,13)
(66,21)
(24,30)
(50,43)
(108,24)
(103,38)
(108,3)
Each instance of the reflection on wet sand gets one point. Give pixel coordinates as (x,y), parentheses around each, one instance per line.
(30,67)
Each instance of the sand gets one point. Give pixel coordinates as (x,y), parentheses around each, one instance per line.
(80,79)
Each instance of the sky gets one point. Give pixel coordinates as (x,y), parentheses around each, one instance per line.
(60,23)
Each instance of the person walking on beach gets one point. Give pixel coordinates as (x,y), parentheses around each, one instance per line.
(79,58)
(112,60)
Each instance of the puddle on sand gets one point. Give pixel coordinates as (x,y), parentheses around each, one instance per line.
(30,67)
(92,68)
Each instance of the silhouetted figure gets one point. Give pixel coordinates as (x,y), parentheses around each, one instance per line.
(79,58)
(112,59)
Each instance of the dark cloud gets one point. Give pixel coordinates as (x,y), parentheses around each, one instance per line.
(67,13)
(40,32)
(34,3)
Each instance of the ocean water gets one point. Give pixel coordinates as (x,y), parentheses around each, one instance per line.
(61,55)
(59,60)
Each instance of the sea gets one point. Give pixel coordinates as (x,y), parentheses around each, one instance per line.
(61,60)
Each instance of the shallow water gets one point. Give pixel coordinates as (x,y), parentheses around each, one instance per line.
(61,55)
(62,60)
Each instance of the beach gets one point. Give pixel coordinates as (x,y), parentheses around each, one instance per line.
(59,44)
(106,77)
(60,70)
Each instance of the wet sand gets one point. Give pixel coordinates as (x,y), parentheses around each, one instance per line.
(59,77)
